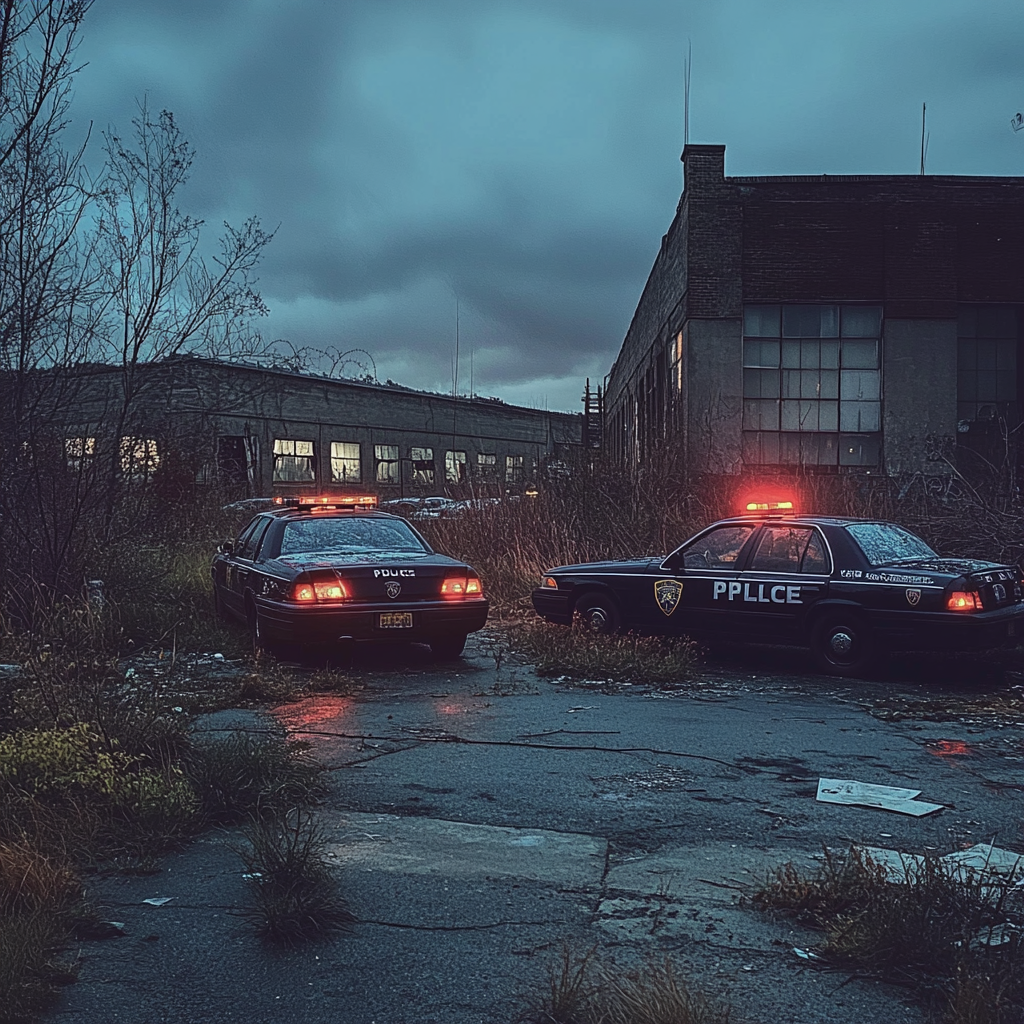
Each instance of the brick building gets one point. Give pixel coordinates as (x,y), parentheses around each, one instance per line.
(851,323)
(258,430)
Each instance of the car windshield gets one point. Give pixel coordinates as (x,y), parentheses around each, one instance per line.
(886,544)
(349,536)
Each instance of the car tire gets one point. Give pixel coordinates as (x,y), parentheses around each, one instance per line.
(842,644)
(598,613)
(260,644)
(446,648)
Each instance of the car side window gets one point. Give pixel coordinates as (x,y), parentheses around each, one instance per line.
(718,549)
(795,549)
(244,536)
(250,540)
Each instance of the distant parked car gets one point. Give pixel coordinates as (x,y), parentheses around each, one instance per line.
(420,508)
(322,571)
(847,588)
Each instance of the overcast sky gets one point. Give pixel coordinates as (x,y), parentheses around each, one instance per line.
(521,157)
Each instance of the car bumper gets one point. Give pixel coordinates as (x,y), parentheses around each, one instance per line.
(553,605)
(325,624)
(951,631)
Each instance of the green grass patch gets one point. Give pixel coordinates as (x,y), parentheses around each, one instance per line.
(579,653)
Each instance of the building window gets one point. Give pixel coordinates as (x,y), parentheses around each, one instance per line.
(294,462)
(986,366)
(422,466)
(812,385)
(139,457)
(454,467)
(486,465)
(345,462)
(386,459)
(513,469)
(79,451)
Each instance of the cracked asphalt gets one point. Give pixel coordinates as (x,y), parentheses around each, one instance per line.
(481,817)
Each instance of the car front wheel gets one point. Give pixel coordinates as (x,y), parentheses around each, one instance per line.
(842,644)
(598,613)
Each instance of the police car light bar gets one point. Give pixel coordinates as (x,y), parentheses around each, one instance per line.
(769,506)
(323,502)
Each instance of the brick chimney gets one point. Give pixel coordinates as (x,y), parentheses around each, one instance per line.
(703,168)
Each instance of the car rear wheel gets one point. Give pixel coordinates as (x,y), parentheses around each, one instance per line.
(842,644)
(260,644)
(445,648)
(598,613)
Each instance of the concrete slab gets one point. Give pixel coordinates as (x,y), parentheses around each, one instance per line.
(455,849)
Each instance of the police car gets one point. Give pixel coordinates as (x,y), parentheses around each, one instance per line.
(847,588)
(322,571)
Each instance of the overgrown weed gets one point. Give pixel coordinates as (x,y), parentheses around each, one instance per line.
(294,888)
(580,653)
(936,928)
(584,989)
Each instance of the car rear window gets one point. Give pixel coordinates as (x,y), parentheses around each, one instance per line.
(349,535)
(885,544)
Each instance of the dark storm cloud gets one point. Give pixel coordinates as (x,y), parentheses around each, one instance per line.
(522,157)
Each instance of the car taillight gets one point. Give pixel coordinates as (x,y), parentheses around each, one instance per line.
(964,601)
(319,590)
(454,588)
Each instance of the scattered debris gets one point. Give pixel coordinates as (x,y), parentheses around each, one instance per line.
(805,954)
(880,798)
(587,707)
(158,901)
(978,862)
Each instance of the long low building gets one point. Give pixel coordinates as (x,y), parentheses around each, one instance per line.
(259,430)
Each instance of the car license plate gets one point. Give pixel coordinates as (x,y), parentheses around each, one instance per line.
(396,620)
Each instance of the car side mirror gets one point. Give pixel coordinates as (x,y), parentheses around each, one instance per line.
(226,548)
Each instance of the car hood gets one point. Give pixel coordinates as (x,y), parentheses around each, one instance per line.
(622,566)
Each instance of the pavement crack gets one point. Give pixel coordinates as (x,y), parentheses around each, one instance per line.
(455,927)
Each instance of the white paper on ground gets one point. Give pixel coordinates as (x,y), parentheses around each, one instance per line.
(880,798)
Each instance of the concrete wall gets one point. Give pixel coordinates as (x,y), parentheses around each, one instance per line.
(919,396)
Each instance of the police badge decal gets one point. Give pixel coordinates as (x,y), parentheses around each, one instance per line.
(667,594)
(913,596)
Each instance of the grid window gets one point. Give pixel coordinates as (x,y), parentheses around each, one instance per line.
(809,373)
(346,461)
(487,465)
(986,362)
(386,459)
(454,467)
(513,469)
(294,462)
(139,457)
(422,466)
(79,451)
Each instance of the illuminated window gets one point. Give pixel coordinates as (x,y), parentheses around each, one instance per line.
(454,467)
(812,385)
(422,466)
(294,462)
(79,451)
(386,458)
(139,457)
(486,465)
(346,465)
(513,469)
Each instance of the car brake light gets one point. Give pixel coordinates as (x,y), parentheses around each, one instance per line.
(456,587)
(964,601)
(319,590)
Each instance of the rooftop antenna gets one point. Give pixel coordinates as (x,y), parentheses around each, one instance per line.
(686,91)
(455,372)
(924,138)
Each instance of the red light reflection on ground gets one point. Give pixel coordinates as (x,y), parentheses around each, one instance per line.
(950,748)
(451,709)
(321,711)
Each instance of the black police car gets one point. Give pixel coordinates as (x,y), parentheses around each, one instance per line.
(847,588)
(321,571)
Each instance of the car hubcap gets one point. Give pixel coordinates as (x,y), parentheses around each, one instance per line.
(841,644)
(598,620)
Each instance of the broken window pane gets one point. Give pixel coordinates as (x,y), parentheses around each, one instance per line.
(422,466)
(513,469)
(386,458)
(346,462)
(293,461)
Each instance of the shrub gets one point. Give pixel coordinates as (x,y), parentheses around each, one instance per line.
(294,888)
